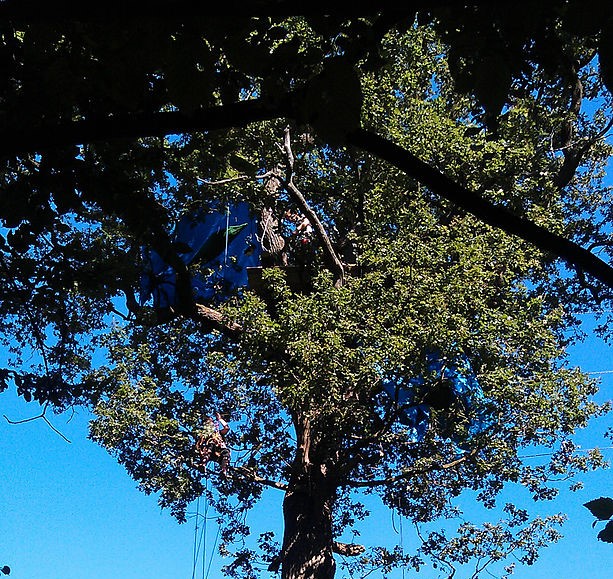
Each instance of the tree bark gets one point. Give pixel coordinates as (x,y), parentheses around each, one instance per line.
(307,539)
(307,513)
(273,242)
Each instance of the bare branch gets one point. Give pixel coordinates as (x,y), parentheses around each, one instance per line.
(226,181)
(41,416)
(289,156)
(334,263)
(266,175)
(250,474)
(214,319)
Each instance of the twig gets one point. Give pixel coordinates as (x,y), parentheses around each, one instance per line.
(38,417)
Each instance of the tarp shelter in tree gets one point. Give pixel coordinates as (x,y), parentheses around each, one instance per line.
(218,246)
(445,383)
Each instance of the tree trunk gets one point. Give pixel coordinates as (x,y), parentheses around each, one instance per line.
(307,539)
(273,242)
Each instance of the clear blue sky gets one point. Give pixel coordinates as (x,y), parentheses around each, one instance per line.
(68,511)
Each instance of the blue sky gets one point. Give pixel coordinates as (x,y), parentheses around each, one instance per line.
(70,511)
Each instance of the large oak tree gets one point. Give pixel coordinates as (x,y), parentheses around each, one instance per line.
(447,156)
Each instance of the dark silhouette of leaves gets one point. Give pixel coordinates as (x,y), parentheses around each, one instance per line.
(601,508)
(606,535)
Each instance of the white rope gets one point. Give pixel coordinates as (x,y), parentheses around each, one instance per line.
(261,240)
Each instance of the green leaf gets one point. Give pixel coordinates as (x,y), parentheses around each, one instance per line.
(606,535)
(6,570)
(601,508)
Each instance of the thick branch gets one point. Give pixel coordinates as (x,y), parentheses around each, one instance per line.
(214,319)
(28,139)
(263,481)
(499,217)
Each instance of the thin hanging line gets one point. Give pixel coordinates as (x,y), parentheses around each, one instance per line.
(212,552)
(200,542)
(225,257)
(401,535)
(203,538)
(195,551)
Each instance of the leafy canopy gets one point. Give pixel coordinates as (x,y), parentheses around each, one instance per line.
(298,371)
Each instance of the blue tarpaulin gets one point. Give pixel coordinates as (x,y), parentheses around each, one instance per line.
(411,395)
(217,245)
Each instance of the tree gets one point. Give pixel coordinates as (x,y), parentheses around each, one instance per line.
(411,257)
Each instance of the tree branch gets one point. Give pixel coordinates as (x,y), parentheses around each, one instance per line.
(499,217)
(263,481)
(334,263)
(29,139)
(407,474)
(41,416)
(214,319)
